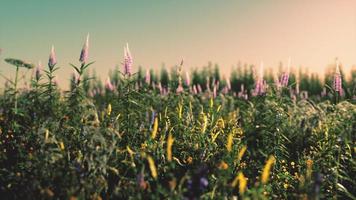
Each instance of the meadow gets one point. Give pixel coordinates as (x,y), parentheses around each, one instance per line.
(177,134)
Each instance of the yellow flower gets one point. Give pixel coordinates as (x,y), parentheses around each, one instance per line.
(220,123)
(180,110)
(211,102)
(285,185)
(229,142)
(109,109)
(152,166)
(46,135)
(61,145)
(205,123)
(170,141)
(267,169)
(309,168)
(241,152)
(154,129)
(129,150)
(241,179)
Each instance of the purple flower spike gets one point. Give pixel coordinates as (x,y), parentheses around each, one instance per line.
(260,85)
(85,51)
(108,85)
(52,59)
(148,77)
(337,84)
(187,79)
(128,62)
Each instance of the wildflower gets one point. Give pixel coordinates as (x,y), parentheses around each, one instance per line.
(180,110)
(170,141)
(38,71)
(309,168)
(179,89)
(172,183)
(220,123)
(223,165)
(241,179)
(285,185)
(337,84)
(130,151)
(148,77)
(187,79)
(259,85)
(109,109)
(152,166)
(285,75)
(228,84)
(61,145)
(155,128)
(267,169)
(241,152)
(203,183)
(205,122)
(52,59)
(140,179)
(46,135)
(108,85)
(128,62)
(85,51)
(229,142)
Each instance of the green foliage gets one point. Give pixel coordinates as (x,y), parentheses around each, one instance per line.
(109,144)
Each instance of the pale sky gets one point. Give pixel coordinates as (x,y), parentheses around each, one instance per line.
(312,33)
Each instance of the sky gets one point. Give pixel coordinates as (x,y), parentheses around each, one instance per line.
(225,32)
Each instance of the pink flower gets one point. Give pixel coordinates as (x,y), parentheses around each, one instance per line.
(259,83)
(285,76)
(228,84)
(187,79)
(38,71)
(128,62)
(337,84)
(148,77)
(108,84)
(52,59)
(179,89)
(85,51)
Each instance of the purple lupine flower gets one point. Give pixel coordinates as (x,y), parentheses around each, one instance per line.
(228,83)
(214,91)
(52,59)
(285,75)
(200,90)
(148,77)
(337,79)
(38,71)
(259,84)
(195,91)
(128,61)
(187,79)
(277,83)
(203,183)
(108,84)
(85,51)
(179,89)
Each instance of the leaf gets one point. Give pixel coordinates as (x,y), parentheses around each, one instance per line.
(75,67)
(341,188)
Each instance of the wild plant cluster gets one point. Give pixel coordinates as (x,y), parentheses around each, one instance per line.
(176,136)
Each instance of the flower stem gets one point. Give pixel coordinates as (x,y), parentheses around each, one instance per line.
(15,85)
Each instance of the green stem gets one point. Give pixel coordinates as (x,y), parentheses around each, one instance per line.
(16,79)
